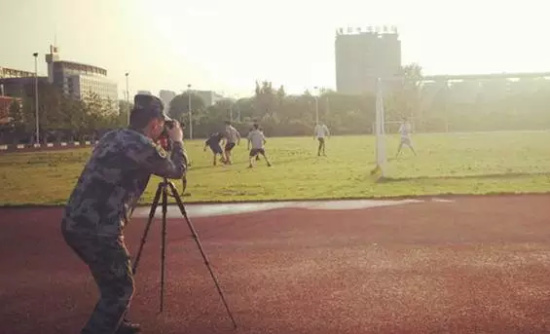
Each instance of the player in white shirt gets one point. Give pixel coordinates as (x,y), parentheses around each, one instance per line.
(405,132)
(232,137)
(257,139)
(321,131)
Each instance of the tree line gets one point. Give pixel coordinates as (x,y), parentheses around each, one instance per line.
(282,114)
(444,109)
(61,118)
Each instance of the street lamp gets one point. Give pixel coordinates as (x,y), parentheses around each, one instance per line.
(36,96)
(190,112)
(127,97)
(316,106)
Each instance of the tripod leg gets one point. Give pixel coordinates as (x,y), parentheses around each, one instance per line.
(147,227)
(163,247)
(196,237)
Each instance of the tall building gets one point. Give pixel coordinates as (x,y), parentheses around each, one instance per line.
(80,80)
(363,55)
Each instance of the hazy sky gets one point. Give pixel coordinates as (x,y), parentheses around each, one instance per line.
(226,45)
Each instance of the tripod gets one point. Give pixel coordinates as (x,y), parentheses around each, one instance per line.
(162,189)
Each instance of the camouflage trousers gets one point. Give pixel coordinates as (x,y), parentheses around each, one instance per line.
(109,262)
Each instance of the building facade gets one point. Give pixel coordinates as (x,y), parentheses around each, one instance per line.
(6,73)
(5,104)
(80,80)
(13,82)
(20,87)
(470,88)
(364,55)
(82,86)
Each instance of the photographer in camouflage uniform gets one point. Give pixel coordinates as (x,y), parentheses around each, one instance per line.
(102,202)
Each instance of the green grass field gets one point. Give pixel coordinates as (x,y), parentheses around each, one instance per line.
(469,163)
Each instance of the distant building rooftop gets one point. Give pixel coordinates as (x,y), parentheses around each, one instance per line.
(13,73)
(447,77)
(71,65)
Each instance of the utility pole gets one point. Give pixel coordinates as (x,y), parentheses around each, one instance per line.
(36,97)
(127,97)
(190,112)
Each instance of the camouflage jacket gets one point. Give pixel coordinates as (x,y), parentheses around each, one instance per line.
(114,179)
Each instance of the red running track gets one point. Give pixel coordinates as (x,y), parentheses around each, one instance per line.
(475,265)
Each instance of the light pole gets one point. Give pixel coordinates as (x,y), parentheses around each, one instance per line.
(190,112)
(36,96)
(127,97)
(316,106)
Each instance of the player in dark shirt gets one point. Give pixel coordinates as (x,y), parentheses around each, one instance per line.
(214,142)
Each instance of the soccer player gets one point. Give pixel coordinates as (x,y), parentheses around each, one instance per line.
(405,131)
(214,143)
(257,139)
(261,130)
(233,137)
(321,131)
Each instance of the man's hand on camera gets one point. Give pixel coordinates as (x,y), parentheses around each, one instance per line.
(176,133)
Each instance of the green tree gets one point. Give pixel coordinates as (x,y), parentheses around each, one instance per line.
(14,129)
(15,115)
(179,106)
(124,111)
(264,99)
(74,118)
(405,97)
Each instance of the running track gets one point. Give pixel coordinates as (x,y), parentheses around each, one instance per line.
(470,265)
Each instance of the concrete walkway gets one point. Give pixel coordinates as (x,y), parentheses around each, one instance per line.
(209,210)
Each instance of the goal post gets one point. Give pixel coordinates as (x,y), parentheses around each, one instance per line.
(380,124)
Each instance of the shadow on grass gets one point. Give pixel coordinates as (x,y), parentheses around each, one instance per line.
(461,177)
(262,160)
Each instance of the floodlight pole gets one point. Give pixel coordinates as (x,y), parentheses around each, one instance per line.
(36,97)
(190,112)
(127,97)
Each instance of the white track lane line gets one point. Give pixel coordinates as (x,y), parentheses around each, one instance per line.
(211,210)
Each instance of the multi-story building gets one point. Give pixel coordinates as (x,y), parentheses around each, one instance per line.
(20,87)
(82,86)
(13,73)
(469,88)
(13,82)
(363,56)
(80,80)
